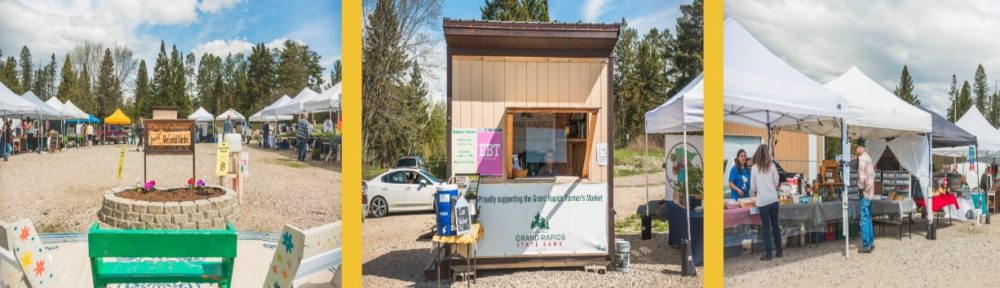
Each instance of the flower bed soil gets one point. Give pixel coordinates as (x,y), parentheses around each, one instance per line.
(172,195)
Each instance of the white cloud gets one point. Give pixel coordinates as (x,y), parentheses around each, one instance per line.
(935,39)
(222,48)
(592,9)
(211,6)
(56,26)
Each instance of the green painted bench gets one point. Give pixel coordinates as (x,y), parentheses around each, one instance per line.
(180,244)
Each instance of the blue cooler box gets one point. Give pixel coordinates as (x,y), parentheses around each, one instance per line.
(446,196)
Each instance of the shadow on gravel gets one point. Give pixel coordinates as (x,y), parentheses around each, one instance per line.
(751,263)
(403,265)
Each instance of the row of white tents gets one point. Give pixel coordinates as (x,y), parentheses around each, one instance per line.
(29,105)
(307,101)
(761,90)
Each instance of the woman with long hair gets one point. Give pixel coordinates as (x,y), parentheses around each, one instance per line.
(739,176)
(764,185)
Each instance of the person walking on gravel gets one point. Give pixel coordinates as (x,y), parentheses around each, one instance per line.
(866,186)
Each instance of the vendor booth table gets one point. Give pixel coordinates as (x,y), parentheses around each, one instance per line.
(803,218)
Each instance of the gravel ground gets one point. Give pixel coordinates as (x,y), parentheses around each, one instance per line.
(393,258)
(62,192)
(962,256)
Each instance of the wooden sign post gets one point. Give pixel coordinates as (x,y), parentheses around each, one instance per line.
(169,137)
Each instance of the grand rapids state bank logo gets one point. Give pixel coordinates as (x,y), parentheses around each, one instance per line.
(539,236)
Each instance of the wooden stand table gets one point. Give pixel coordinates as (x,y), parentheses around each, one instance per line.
(456,243)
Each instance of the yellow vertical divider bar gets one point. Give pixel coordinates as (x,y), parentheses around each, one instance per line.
(351,141)
(713,66)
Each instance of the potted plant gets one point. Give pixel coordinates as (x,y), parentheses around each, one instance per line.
(695,175)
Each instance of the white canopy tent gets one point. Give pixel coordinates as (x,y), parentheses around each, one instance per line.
(327,101)
(987,137)
(45,112)
(57,105)
(871,111)
(295,106)
(10,103)
(875,113)
(71,111)
(231,114)
(261,116)
(760,90)
(201,115)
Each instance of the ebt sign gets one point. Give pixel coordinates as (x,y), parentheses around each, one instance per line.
(477,151)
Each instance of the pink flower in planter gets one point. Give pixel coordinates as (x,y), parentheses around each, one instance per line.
(149,186)
(201,183)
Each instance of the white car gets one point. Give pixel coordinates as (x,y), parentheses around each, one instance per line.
(401,190)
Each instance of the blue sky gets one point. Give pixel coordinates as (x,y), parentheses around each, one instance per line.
(642,15)
(201,26)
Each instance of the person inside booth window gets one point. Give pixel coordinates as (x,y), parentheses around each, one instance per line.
(550,169)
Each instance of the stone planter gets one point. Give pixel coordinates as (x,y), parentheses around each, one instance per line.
(211,213)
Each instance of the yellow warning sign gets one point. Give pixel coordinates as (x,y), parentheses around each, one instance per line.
(222,159)
(121,163)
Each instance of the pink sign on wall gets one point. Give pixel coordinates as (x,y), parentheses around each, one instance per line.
(490,153)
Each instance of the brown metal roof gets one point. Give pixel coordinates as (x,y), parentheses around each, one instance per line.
(469,37)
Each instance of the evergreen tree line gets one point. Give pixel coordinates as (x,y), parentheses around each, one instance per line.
(651,70)
(95,78)
(962,97)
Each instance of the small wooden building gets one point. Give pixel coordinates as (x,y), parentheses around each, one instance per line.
(530,110)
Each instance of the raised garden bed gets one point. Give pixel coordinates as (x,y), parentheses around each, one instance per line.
(172,208)
(172,195)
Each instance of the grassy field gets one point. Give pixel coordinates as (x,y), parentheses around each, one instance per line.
(628,161)
(633,225)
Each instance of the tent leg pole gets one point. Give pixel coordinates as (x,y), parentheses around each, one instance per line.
(845,177)
(687,268)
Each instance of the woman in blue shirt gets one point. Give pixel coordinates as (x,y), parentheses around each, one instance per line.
(739,177)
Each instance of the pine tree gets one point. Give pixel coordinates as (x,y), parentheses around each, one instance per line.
(161,83)
(106,92)
(26,71)
(953,95)
(965,100)
(994,110)
(437,128)
(981,89)
(686,54)
(67,84)
(190,80)
(415,101)
(516,10)
(336,73)
(625,82)
(83,97)
(38,87)
(177,92)
(143,92)
(9,74)
(50,78)
(262,75)
(383,67)
(905,88)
